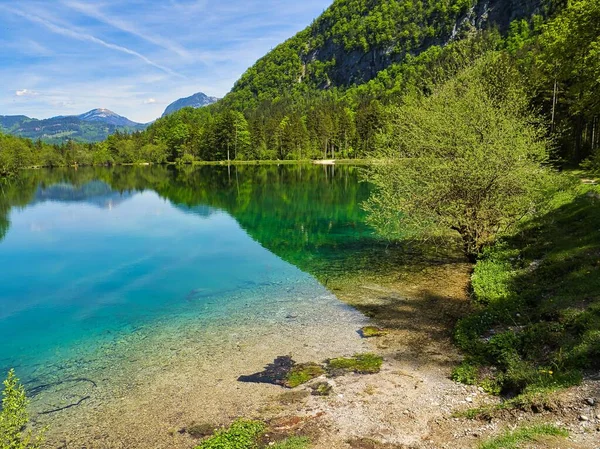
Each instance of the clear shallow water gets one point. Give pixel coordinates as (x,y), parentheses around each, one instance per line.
(91,257)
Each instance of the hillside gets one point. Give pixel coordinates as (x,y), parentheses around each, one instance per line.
(352,41)
(93,126)
(198,100)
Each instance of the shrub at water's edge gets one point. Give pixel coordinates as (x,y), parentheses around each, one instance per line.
(477,178)
(14,417)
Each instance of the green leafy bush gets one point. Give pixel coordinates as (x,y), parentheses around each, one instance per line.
(465,373)
(14,417)
(242,434)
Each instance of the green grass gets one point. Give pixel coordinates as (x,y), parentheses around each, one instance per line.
(537,325)
(242,434)
(360,363)
(292,443)
(300,374)
(516,438)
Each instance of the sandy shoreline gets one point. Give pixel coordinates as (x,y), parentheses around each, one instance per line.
(159,380)
(409,404)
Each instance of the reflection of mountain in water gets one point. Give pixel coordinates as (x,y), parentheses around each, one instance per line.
(309,216)
(200,210)
(96,193)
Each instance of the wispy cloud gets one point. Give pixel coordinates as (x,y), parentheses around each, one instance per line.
(82,36)
(150,101)
(93,11)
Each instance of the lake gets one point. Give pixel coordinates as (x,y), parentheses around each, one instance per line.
(133,283)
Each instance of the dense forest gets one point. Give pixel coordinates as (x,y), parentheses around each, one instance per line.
(330,91)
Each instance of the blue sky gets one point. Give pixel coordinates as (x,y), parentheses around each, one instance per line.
(134,57)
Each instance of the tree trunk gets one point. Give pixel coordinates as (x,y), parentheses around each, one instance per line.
(554,103)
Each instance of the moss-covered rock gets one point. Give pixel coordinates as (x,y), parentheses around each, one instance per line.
(300,374)
(372,331)
(321,389)
(360,363)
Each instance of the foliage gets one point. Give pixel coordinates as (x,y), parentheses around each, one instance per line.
(465,373)
(523,435)
(592,163)
(242,434)
(539,324)
(478,177)
(566,61)
(14,417)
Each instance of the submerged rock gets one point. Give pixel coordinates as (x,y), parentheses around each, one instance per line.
(275,373)
(285,372)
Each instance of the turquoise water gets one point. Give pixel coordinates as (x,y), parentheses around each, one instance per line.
(92,256)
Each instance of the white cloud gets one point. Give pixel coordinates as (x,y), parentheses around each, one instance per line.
(25,93)
(150,101)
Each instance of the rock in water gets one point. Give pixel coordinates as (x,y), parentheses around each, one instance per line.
(274,373)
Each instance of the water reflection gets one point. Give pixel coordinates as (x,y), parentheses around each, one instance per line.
(309,216)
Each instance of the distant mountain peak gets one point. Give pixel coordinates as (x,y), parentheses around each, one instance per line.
(106,116)
(92,126)
(198,100)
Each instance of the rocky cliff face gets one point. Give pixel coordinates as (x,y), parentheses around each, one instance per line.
(357,66)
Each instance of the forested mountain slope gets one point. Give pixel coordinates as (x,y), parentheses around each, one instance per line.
(93,126)
(353,40)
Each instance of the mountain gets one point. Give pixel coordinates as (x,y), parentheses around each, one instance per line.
(353,41)
(96,193)
(93,126)
(198,100)
(107,117)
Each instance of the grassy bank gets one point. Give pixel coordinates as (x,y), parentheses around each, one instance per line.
(537,323)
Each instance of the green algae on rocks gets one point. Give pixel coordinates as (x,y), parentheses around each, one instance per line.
(372,331)
(300,374)
(360,363)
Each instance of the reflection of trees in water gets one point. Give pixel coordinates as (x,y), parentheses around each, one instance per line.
(307,215)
